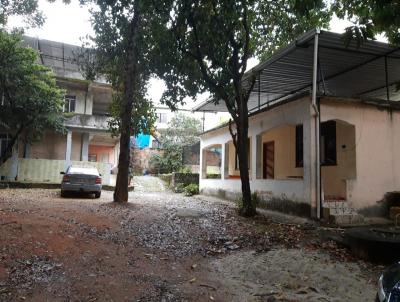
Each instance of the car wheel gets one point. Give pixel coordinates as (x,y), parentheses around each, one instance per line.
(63,194)
(97,195)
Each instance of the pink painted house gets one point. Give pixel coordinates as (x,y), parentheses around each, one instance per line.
(324,128)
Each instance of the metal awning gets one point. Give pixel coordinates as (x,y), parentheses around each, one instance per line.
(370,70)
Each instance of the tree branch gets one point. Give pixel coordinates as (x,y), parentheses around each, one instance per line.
(246,51)
(234,135)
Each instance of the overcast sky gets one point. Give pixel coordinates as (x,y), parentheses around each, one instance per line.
(68,23)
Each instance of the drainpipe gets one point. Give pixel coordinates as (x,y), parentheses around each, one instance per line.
(316,116)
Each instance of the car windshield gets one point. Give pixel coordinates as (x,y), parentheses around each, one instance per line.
(79,170)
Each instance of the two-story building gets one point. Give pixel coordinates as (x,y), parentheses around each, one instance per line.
(87,141)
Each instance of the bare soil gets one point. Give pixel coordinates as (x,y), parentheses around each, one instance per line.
(163,246)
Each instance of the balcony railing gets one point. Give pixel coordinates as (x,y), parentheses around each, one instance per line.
(86,121)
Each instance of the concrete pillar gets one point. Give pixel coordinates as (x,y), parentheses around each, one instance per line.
(27,151)
(14,163)
(225,161)
(85,147)
(68,150)
(203,163)
(89,100)
(116,153)
(310,162)
(256,157)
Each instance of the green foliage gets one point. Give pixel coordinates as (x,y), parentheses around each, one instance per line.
(109,54)
(280,22)
(31,102)
(213,176)
(179,188)
(192,189)
(370,17)
(170,161)
(255,201)
(143,116)
(182,131)
(123,54)
(205,46)
(28,9)
(185,170)
(69,114)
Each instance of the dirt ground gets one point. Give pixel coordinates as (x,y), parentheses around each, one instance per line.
(163,246)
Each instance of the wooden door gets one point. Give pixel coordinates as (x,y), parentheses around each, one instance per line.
(269,160)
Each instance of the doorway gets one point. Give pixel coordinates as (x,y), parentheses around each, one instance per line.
(269,160)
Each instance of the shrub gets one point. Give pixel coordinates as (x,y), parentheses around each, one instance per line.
(191,190)
(185,170)
(179,188)
(213,176)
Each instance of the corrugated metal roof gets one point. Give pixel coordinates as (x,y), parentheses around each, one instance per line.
(346,71)
(59,56)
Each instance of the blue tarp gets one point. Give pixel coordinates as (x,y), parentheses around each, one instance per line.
(142,141)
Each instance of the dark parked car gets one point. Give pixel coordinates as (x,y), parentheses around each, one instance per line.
(85,180)
(389,284)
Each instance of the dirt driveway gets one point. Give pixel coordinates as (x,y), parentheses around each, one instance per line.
(164,247)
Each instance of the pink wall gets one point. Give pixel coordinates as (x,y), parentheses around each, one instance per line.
(103,153)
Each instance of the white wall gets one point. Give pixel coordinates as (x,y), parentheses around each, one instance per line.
(296,112)
(377,144)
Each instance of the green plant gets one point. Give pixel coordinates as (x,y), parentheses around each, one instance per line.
(255,201)
(213,176)
(31,102)
(169,161)
(179,188)
(69,114)
(191,190)
(185,169)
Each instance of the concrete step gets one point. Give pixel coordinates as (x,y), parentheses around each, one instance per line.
(340,213)
(346,219)
(335,204)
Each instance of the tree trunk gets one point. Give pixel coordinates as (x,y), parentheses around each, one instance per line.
(248,208)
(121,186)
(130,90)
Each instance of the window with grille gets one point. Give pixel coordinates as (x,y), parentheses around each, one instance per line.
(299,146)
(69,103)
(161,118)
(327,144)
(5,140)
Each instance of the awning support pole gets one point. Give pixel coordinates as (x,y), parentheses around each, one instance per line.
(204,119)
(317,165)
(387,79)
(259,90)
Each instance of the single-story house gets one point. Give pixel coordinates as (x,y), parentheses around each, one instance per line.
(324,127)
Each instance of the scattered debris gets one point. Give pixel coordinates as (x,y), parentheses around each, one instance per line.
(149,249)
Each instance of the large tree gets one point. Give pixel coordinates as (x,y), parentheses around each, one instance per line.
(370,17)
(25,8)
(122,44)
(205,46)
(30,101)
(182,132)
